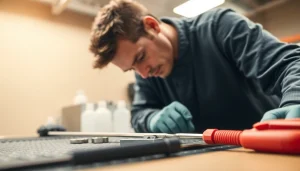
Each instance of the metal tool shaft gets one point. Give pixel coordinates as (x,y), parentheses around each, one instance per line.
(116,134)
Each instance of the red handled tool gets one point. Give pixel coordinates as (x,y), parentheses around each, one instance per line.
(276,136)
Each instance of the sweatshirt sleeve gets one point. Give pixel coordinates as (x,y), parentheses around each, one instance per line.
(258,55)
(145,104)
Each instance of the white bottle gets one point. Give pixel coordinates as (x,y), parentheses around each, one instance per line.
(104,118)
(121,118)
(88,119)
(50,120)
(80,98)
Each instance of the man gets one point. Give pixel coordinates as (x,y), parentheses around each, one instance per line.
(216,70)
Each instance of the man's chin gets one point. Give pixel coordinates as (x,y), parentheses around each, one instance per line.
(165,74)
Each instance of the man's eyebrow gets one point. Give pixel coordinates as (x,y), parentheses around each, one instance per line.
(133,62)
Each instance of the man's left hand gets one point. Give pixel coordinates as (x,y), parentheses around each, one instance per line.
(282,113)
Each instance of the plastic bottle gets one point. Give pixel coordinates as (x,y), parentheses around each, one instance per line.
(50,120)
(104,118)
(88,119)
(80,98)
(121,118)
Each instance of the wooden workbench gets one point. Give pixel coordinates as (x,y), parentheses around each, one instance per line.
(232,160)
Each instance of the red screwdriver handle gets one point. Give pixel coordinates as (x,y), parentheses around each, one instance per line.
(214,136)
(277,141)
(280,139)
(279,124)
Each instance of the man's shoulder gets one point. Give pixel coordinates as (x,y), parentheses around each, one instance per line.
(217,11)
(208,16)
(212,14)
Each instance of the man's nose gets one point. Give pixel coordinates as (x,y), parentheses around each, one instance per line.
(143,70)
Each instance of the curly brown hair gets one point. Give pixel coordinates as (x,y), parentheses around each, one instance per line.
(118,19)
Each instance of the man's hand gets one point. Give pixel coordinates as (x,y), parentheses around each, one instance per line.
(283,113)
(173,118)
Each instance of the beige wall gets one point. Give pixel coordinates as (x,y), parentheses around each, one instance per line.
(44,60)
(283,20)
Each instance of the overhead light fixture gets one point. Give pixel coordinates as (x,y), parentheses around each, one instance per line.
(193,8)
(59,6)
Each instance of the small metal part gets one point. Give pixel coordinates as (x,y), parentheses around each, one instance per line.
(152,137)
(79,140)
(99,140)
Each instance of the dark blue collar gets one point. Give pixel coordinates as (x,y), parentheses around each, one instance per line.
(183,58)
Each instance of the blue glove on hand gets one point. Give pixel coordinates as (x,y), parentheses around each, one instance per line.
(173,118)
(283,113)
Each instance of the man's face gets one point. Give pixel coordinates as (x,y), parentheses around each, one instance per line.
(149,57)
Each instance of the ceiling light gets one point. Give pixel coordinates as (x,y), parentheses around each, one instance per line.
(193,8)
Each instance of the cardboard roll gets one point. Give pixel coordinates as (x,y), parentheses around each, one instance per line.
(99,140)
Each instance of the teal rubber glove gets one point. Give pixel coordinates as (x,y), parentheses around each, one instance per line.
(174,118)
(288,112)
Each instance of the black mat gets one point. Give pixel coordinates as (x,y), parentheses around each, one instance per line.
(29,151)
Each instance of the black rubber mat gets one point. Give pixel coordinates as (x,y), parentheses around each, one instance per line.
(26,154)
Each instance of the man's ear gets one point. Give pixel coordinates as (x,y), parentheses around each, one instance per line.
(151,25)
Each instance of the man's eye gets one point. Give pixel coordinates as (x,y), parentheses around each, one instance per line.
(141,58)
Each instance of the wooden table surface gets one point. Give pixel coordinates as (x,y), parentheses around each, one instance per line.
(239,159)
